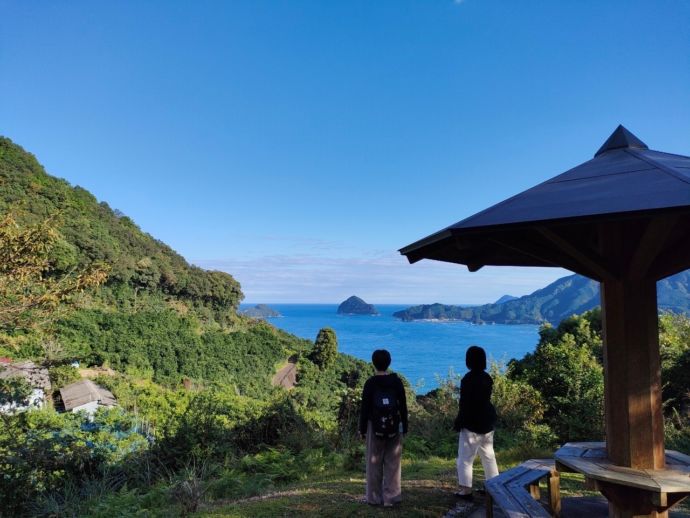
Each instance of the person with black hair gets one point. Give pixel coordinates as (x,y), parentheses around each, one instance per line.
(382,423)
(475,422)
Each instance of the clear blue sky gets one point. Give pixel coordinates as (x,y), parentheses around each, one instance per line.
(298,145)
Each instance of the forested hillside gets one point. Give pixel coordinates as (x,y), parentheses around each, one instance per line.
(155,314)
(92,231)
(567,296)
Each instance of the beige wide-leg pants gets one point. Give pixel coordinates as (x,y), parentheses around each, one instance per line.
(469,443)
(383,469)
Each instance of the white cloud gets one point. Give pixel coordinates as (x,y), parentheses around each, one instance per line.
(376,276)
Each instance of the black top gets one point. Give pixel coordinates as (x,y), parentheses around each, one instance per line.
(476,413)
(390,381)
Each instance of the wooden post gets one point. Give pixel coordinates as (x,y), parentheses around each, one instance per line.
(632,370)
(554,483)
(634,419)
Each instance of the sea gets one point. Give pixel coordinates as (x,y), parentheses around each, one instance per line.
(425,352)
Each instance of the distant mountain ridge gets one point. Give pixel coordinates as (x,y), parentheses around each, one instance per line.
(564,297)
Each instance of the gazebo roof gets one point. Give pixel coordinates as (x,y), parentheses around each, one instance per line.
(622,218)
(624,180)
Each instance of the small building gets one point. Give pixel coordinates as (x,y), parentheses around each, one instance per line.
(86,396)
(36,376)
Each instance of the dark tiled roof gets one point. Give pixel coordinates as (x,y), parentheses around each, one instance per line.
(83,392)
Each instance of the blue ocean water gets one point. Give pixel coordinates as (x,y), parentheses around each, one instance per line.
(421,350)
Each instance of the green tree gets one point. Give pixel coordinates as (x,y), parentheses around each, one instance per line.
(30,295)
(674,343)
(325,349)
(63,375)
(566,370)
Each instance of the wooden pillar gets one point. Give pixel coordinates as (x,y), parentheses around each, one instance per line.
(632,370)
(634,419)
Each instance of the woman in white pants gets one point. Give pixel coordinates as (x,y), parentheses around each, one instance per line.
(475,422)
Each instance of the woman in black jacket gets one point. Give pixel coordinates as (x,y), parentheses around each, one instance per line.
(475,422)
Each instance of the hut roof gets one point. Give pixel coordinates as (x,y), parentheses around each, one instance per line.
(37,376)
(83,392)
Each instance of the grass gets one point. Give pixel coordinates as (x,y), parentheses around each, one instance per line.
(427,486)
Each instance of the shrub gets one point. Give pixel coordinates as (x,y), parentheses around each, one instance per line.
(565,368)
(431,420)
(63,375)
(677,432)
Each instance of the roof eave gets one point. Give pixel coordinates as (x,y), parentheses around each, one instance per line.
(416,251)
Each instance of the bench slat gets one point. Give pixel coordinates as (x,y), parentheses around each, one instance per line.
(533,507)
(508,490)
(529,478)
(506,502)
(677,457)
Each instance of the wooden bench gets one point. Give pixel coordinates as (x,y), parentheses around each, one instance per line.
(516,491)
(648,489)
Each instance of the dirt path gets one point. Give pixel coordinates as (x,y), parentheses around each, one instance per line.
(93,372)
(286,376)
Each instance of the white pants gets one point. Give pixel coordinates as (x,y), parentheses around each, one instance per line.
(469,443)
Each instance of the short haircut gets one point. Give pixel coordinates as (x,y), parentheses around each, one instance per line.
(475,358)
(381,359)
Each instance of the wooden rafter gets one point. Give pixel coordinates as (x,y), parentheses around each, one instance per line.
(651,244)
(543,254)
(588,259)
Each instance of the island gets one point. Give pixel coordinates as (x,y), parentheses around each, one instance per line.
(567,296)
(261,311)
(356,306)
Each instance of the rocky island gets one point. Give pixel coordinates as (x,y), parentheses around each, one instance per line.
(261,311)
(356,306)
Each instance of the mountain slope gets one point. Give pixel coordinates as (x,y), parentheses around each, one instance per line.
(157,316)
(564,297)
(93,231)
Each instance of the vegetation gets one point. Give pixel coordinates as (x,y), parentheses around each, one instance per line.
(325,348)
(199,427)
(30,292)
(566,371)
(88,232)
(63,375)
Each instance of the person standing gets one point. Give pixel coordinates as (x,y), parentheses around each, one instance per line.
(382,423)
(475,422)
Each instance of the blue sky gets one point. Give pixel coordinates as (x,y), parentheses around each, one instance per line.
(298,145)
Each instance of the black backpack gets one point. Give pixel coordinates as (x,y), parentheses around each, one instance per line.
(385,413)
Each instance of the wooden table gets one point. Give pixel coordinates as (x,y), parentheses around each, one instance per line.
(646,489)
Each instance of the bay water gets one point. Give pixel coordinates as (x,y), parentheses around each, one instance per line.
(422,351)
